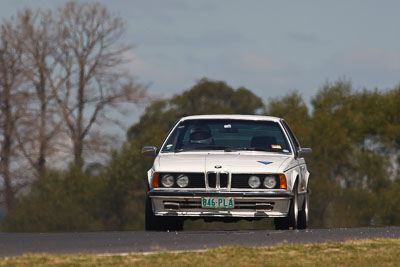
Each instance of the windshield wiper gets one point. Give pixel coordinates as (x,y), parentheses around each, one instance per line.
(225,148)
(216,147)
(254,149)
(201,148)
(182,150)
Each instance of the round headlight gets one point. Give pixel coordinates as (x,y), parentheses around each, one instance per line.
(182,180)
(167,180)
(269,181)
(254,181)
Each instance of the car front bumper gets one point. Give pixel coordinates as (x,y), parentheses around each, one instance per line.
(248,204)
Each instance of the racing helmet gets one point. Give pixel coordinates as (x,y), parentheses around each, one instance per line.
(200,134)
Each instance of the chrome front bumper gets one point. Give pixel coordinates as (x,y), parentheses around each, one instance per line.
(247,204)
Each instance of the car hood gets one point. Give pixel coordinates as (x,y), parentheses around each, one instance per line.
(247,162)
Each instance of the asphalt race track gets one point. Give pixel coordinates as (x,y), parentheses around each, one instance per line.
(129,242)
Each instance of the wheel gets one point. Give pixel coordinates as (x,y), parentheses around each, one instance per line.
(303,214)
(157,223)
(151,222)
(291,221)
(293,210)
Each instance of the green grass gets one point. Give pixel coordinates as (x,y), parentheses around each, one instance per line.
(368,252)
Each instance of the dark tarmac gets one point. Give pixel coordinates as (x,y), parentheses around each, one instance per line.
(137,242)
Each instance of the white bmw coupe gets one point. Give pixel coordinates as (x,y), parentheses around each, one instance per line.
(227,168)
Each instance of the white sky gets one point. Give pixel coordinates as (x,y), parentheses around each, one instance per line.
(269,47)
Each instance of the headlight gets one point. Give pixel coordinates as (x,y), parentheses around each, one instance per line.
(254,181)
(167,180)
(269,181)
(182,180)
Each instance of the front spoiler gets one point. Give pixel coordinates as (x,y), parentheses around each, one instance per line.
(278,200)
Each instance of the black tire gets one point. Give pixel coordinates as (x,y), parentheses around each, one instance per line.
(303,214)
(280,224)
(291,221)
(157,223)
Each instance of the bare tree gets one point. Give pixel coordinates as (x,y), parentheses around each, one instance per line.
(35,34)
(91,55)
(12,102)
(61,75)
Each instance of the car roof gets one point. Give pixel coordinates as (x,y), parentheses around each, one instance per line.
(233,117)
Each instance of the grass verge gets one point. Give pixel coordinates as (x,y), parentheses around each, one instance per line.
(367,252)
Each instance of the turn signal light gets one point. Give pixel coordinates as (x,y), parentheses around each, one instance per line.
(155,179)
(282,181)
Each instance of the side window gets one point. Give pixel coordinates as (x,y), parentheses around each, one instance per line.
(293,138)
(175,139)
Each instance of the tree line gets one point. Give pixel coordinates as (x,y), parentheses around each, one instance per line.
(61,78)
(355,178)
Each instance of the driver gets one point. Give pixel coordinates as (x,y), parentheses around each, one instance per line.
(201,134)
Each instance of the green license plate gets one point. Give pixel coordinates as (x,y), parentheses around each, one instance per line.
(217,203)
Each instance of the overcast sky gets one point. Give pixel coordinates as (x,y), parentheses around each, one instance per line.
(270,47)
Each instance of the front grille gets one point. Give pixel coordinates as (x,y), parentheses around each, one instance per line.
(218,179)
(223,180)
(240,181)
(196,180)
(212,180)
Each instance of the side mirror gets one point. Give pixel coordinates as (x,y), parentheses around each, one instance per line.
(304,152)
(149,151)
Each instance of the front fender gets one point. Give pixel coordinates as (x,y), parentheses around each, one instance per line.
(149,177)
(293,176)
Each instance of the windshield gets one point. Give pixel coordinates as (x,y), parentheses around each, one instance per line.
(227,135)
